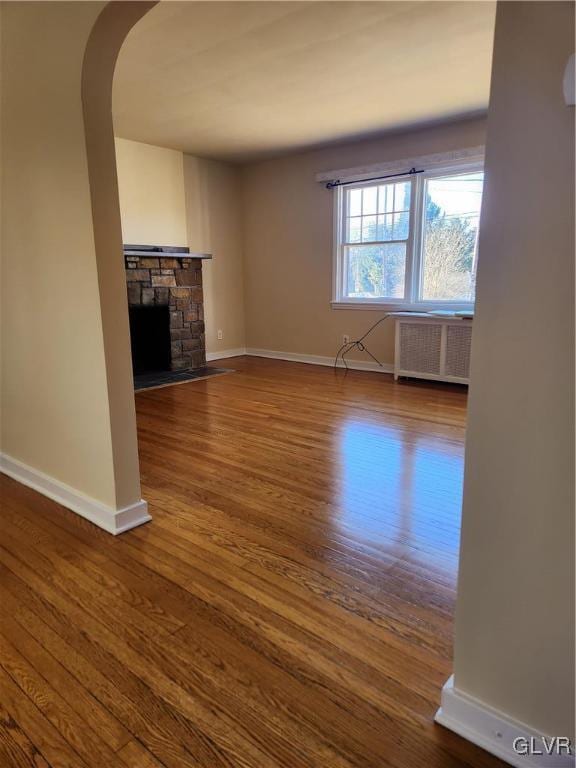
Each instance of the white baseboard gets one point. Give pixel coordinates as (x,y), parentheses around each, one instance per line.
(114,521)
(225,353)
(493,731)
(296,357)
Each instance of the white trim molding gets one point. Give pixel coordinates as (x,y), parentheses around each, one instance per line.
(113,521)
(457,157)
(495,732)
(225,353)
(296,357)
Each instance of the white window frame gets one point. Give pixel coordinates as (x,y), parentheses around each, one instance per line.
(413,245)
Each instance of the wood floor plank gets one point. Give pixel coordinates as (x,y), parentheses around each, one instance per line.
(16,749)
(134,755)
(289,623)
(165,731)
(48,740)
(77,732)
(65,685)
(161,731)
(171,677)
(232,731)
(298,567)
(290,606)
(98,578)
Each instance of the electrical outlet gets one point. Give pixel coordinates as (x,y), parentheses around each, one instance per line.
(345,338)
(220,335)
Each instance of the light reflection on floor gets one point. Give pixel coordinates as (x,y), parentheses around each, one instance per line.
(398,487)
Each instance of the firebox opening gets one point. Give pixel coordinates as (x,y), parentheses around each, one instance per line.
(150,338)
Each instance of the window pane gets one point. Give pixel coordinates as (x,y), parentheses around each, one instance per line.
(385,198)
(378,213)
(394,197)
(354,234)
(385,227)
(354,202)
(369,195)
(402,196)
(368,229)
(401,225)
(375,271)
(382,199)
(451,216)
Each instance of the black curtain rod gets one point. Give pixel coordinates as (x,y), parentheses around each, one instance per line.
(338,183)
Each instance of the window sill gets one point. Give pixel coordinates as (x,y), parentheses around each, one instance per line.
(401,306)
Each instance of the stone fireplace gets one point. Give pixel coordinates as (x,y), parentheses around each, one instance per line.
(166,309)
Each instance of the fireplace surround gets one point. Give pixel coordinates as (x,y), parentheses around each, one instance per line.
(171,278)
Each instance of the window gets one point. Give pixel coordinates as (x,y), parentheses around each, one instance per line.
(409,241)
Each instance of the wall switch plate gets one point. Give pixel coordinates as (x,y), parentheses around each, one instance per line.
(220,335)
(345,338)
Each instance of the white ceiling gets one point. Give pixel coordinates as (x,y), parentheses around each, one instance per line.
(243,80)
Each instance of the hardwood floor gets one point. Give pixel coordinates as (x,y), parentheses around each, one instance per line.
(290,605)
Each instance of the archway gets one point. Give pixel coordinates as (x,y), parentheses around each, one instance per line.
(68,422)
(108,34)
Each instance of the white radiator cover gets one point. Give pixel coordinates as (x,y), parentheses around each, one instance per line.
(433,347)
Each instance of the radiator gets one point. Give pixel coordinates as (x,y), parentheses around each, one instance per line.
(433,347)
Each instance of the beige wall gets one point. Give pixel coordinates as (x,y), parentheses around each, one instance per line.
(168,198)
(151,187)
(67,401)
(288,241)
(214,226)
(515,613)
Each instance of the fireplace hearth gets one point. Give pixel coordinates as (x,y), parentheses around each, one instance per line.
(166,308)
